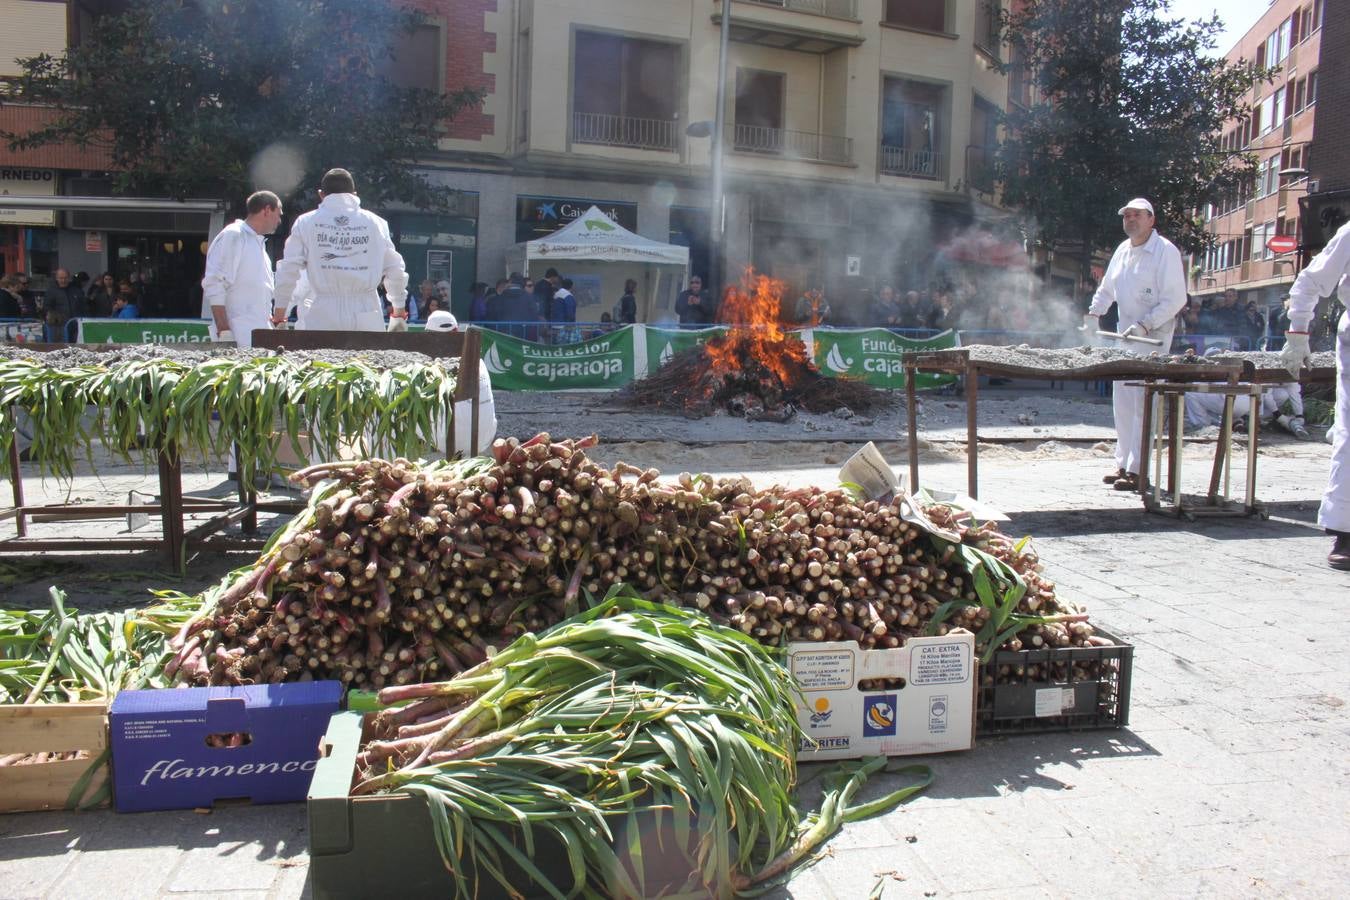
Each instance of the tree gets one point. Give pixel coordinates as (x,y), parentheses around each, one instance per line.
(222,97)
(1129,104)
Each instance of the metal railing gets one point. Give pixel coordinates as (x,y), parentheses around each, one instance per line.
(624,131)
(903,161)
(793,144)
(835,9)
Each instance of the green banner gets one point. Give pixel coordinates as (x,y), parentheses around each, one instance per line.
(143,331)
(875,356)
(663,343)
(603,363)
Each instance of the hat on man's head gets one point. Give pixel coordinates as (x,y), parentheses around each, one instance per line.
(442,320)
(517,279)
(1136,203)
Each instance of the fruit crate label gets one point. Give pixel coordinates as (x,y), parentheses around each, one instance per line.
(830,670)
(940,664)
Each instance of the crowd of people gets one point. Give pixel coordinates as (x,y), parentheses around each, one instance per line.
(70,297)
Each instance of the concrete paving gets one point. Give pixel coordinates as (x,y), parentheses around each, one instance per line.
(1231,780)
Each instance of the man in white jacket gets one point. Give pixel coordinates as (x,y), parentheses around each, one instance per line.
(1328,270)
(346,252)
(1146,281)
(237,286)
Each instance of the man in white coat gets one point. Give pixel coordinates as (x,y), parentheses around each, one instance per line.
(346,252)
(1328,270)
(1146,281)
(237,286)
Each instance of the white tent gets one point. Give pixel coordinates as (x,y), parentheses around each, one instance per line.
(603,253)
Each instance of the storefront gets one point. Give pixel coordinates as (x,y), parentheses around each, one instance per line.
(28,236)
(441,247)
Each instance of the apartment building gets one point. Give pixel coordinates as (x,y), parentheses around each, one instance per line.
(858,133)
(1298,168)
(857,144)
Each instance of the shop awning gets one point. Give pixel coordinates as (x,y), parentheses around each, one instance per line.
(595,236)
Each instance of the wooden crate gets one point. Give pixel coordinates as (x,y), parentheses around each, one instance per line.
(39,727)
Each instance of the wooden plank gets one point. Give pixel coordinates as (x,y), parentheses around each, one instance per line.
(45,785)
(38,727)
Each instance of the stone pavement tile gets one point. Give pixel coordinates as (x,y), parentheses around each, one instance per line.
(854,874)
(1080,867)
(205,867)
(106,871)
(1148,838)
(1212,884)
(944,843)
(294,881)
(36,849)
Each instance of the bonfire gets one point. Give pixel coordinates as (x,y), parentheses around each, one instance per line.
(756,370)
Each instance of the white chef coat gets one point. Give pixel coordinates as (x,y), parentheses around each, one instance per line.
(346,252)
(239,278)
(1147,284)
(1148,287)
(1329,270)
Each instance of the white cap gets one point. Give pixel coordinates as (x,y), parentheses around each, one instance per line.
(442,320)
(1136,203)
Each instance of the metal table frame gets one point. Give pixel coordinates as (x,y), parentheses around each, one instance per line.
(176,540)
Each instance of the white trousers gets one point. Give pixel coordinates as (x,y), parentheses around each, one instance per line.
(1335,510)
(1127,403)
(341,313)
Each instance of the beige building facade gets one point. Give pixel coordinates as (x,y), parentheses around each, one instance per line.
(857,141)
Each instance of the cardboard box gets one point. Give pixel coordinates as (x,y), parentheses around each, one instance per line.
(167,752)
(54,727)
(931,711)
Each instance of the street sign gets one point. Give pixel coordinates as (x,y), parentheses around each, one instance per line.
(1282,243)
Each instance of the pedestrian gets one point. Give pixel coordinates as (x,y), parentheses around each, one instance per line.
(11,302)
(1146,282)
(478,305)
(125,306)
(694,307)
(563,312)
(812,308)
(101,295)
(61,304)
(444,320)
(237,286)
(28,304)
(347,253)
(515,306)
(626,314)
(1328,270)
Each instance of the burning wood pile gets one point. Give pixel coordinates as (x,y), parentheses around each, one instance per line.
(756,370)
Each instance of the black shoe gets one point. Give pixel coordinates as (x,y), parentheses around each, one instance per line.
(1115,476)
(1339,557)
(1128,482)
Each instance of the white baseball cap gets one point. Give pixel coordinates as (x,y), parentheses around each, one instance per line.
(442,320)
(1136,203)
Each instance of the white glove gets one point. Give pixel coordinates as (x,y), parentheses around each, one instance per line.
(1091,323)
(1135,330)
(1295,352)
(397,323)
(225,337)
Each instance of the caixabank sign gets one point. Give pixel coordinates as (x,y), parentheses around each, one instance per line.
(927,704)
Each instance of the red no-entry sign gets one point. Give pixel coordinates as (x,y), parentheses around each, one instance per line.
(1282,243)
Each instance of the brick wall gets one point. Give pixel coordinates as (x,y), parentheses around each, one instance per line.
(1331,138)
(467,41)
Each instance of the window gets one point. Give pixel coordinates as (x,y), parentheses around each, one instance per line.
(760,99)
(926,15)
(984,143)
(416,61)
(1267,121)
(1312,89)
(523,90)
(912,138)
(1277,108)
(1300,88)
(1269,176)
(986,26)
(625,91)
(1260,234)
(1019,82)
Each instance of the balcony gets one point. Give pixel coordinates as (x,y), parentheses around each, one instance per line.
(624,131)
(807,26)
(792,144)
(835,9)
(910,163)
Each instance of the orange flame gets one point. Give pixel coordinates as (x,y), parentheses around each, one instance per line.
(751,308)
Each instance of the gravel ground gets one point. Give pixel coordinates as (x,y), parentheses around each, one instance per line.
(75,357)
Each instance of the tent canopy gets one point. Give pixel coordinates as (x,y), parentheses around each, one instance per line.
(594,236)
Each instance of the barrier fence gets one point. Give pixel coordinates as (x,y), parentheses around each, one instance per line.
(602,357)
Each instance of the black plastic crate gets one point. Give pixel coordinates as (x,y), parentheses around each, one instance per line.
(1061,689)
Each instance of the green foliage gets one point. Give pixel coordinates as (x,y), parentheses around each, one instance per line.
(187,93)
(1130,104)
